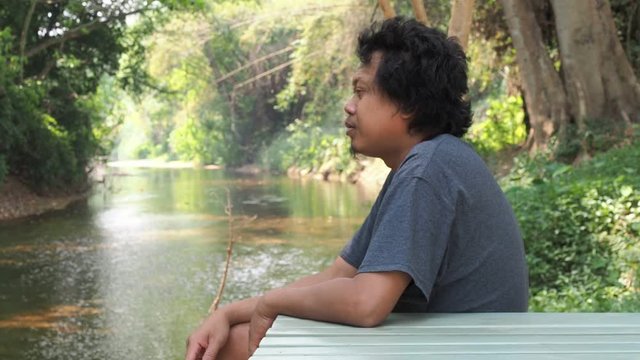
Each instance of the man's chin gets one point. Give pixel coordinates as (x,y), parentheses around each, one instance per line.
(353,151)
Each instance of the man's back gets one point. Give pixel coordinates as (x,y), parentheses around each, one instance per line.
(442,218)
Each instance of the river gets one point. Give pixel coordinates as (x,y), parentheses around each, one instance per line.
(130,272)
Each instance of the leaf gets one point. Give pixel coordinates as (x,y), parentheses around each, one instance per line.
(561,170)
(626,191)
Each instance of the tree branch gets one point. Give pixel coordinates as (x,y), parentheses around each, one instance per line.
(387,10)
(261,75)
(78,32)
(223,281)
(460,21)
(228,210)
(25,29)
(633,12)
(420,11)
(245,66)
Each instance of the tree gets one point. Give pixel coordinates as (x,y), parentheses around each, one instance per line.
(420,12)
(596,85)
(53,55)
(460,22)
(598,79)
(543,92)
(387,9)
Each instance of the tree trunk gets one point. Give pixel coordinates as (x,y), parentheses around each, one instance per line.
(420,12)
(598,78)
(387,10)
(543,92)
(460,23)
(23,35)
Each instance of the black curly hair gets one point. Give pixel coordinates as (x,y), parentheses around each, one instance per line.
(422,71)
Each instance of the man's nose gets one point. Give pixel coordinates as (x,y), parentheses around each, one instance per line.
(350,107)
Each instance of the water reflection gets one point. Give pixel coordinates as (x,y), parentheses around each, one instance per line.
(127,275)
(52,318)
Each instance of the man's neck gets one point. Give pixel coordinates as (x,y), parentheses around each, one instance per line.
(395,160)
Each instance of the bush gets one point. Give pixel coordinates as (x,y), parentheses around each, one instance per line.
(502,127)
(44,152)
(581,228)
(3,169)
(308,146)
(598,136)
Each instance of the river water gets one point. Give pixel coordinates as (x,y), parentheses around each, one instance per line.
(129,273)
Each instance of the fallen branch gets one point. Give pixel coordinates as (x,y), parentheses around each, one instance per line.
(228,210)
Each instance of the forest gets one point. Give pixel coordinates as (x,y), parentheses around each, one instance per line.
(553,85)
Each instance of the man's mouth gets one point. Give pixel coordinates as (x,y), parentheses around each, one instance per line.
(349,125)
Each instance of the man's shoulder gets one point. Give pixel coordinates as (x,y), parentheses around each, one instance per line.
(443,151)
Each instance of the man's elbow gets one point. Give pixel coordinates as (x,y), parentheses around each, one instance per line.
(370,312)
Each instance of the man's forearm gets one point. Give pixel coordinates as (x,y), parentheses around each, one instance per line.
(241,311)
(337,300)
(238,312)
(310,280)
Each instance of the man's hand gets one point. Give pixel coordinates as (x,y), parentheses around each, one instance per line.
(209,338)
(261,320)
(207,341)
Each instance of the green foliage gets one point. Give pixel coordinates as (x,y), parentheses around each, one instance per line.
(581,229)
(595,136)
(310,147)
(33,145)
(626,14)
(502,127)
(106,112)
(195,141)
(318,85)
(187,140)
(52,121)
(223,105)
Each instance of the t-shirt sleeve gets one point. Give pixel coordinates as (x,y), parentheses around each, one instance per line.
(411,231)
(355,250)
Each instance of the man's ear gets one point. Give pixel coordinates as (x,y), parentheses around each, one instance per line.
(406,117)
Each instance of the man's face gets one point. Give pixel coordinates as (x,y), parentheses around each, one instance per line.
(374,123)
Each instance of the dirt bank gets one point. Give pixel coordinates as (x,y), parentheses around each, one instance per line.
(369,175)
(17,201)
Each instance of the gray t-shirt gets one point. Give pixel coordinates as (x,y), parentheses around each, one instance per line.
(442,219)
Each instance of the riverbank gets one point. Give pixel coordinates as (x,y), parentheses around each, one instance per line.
(369,174)
(18,201)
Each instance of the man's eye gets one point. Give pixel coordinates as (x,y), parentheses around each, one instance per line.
(358,92)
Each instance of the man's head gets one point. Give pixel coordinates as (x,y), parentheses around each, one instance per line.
(421,72)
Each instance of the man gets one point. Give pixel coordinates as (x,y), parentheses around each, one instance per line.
(441,236)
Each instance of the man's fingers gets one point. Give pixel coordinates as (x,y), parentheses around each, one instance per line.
(211,352)
(194,350)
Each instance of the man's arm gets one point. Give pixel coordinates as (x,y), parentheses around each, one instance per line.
(214,330)
(363,300)
(241,311)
